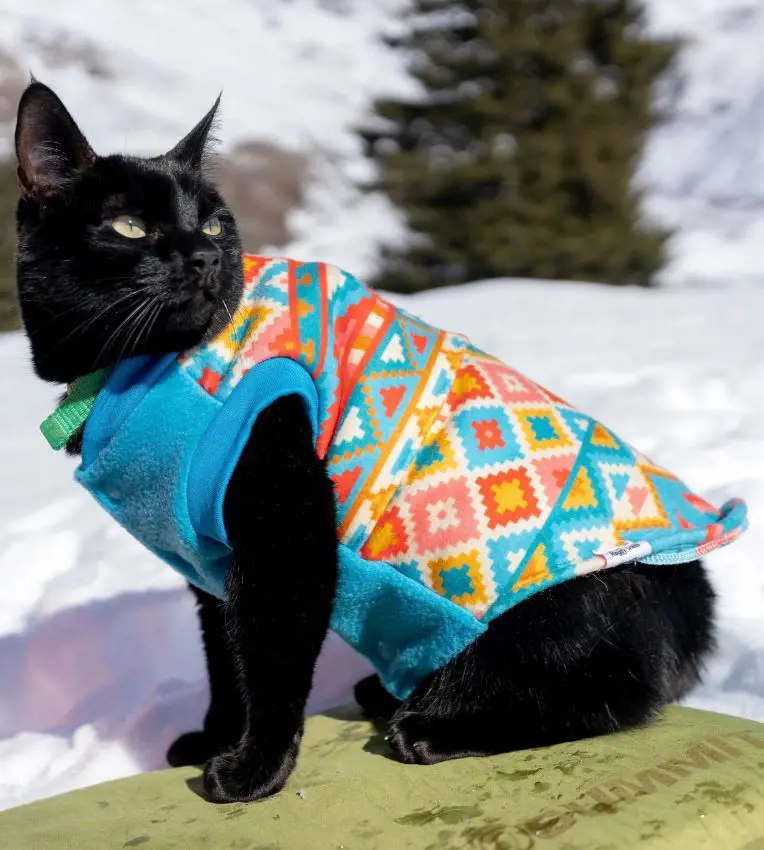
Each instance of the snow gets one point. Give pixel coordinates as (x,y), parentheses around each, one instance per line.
(101,660)
(99,651)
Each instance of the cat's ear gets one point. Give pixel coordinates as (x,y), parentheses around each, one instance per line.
(50,147)
(192,149)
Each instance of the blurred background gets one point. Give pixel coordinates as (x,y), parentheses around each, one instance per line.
(578,185)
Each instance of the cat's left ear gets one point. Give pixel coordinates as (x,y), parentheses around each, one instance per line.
(192,149)
(50,147)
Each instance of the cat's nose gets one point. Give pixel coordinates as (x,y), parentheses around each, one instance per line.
(203,261)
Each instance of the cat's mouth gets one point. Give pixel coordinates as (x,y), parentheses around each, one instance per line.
(195,304)
(194,317)
(193,313)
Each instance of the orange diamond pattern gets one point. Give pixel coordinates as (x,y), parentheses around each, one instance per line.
(508,497)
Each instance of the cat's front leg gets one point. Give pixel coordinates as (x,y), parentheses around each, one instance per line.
(225,716)
(280,518)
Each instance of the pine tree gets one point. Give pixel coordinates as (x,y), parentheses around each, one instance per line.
(519,157)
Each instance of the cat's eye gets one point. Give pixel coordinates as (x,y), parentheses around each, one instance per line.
(212,227)
(129,226)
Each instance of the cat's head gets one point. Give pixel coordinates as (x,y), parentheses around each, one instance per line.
(117,255)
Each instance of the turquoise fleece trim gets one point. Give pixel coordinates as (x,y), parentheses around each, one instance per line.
(138,471)
(404,629)
(128,383)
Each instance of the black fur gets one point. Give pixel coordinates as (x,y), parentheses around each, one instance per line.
(88,295)
(224,721)
(587,657)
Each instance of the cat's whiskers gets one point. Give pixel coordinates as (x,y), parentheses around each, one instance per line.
(233,337)
(157,313)
(84,325)
(62,314)
(154,307)
(116,335)
(135,329)
(131,329)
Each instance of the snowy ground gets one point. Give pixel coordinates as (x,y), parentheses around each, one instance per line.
(100,658)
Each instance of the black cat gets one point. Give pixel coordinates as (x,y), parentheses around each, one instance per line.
(587,657)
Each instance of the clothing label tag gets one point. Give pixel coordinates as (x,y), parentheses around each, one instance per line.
(626,554)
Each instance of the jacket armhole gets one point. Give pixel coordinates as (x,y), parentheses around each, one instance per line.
(221,446)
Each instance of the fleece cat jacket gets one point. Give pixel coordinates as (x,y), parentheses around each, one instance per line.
(462,487)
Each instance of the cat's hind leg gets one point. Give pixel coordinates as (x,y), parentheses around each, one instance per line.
(587,657)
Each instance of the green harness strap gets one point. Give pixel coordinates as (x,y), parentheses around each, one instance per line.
(71,414)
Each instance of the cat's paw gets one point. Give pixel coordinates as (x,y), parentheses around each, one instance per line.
(373,699)
(193,748)
(408,740)
(418,739)
(240,776)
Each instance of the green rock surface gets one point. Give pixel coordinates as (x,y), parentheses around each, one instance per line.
(692,780)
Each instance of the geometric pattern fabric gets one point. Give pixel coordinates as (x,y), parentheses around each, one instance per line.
(448,464)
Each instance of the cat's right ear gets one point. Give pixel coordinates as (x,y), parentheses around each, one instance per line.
(192,149)
(50,147)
